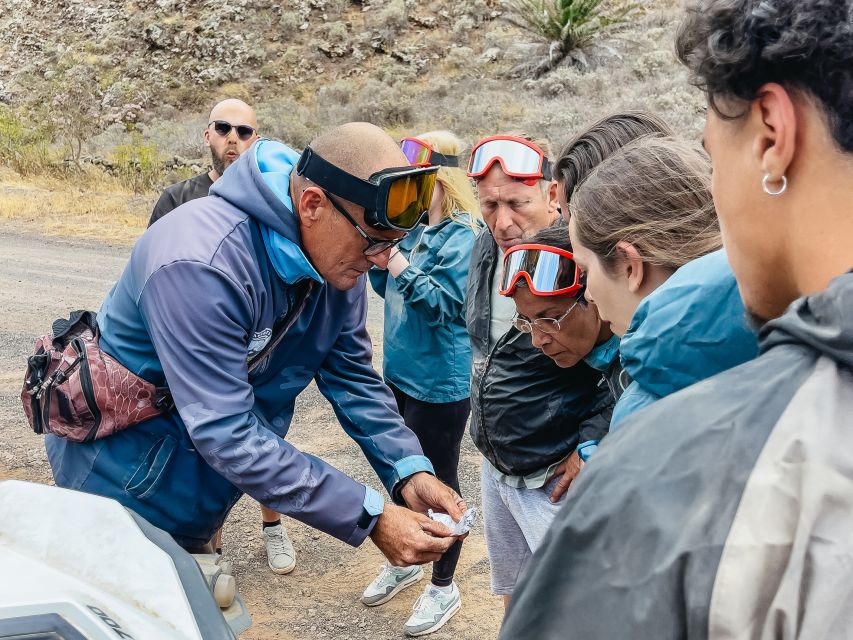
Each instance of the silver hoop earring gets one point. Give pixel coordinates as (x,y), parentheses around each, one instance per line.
(765,184)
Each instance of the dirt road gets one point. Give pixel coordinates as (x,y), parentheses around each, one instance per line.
(43,278)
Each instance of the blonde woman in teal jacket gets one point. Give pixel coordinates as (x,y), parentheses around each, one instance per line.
(427,353)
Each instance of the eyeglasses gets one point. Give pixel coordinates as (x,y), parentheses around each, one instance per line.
(518,158)
(421,154)
(374,246)
(545,325)
(223,128)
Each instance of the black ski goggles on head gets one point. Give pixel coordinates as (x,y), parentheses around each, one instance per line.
(394,199)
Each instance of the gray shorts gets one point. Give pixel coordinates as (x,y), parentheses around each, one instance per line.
(515,522)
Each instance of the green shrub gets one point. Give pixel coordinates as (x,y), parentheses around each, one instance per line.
(23,148)
(567,23)
(137,163)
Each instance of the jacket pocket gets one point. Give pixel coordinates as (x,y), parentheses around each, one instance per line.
(144,479)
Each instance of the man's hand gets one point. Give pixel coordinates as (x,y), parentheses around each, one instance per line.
(424,491)
(568,471)
(380,260)
(408,538)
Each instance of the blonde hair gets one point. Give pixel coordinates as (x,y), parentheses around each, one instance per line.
(459,196)
(654,193)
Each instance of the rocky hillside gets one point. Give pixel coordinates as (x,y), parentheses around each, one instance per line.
(156,67)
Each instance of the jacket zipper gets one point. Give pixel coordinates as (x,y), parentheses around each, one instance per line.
(288,321)
(41,399)
(481,386)
(88,389)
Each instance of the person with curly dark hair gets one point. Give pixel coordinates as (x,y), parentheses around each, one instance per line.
(725,510)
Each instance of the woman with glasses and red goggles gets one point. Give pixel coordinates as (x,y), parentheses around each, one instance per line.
(427,352)
(547,287)
(646,234)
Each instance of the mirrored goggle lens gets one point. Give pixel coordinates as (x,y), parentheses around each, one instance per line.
(416,152)
(409,198)
(548,272)
(518,159)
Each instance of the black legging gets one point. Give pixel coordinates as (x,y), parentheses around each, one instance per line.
(439,427)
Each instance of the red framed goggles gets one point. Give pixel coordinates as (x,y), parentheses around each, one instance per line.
(519,158)
(549,271)
(421,154)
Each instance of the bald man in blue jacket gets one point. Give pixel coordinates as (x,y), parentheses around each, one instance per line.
(199,297)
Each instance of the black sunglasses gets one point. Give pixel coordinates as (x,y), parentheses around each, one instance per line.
(374,246)
(223,128)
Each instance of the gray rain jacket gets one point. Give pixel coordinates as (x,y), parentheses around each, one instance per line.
(722,511)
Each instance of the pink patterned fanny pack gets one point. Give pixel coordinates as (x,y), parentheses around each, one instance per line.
(75,390)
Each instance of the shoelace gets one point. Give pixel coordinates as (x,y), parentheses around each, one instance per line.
(419,602)
(423,602)
(385,570)
(277,544)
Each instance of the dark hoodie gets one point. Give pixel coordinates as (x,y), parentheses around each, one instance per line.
(723,510)
(201,293)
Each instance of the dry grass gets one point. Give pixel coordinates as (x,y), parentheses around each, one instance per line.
(631,66)
(59,208)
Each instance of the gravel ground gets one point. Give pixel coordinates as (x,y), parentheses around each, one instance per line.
(43,278)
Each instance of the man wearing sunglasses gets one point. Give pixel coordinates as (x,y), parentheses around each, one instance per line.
(527,412)
(237,305)
(231,129)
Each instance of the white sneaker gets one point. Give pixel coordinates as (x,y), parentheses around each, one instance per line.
(281,556)
(432,610)
(390,581)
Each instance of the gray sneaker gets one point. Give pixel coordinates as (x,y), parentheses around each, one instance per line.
(281,556)
(390,581)
(432,610)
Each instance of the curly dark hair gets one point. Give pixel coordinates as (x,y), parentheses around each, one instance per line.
(733,47)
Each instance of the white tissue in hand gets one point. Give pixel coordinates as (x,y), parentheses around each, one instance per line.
(457,528)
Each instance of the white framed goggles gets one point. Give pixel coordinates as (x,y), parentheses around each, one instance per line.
(518,158)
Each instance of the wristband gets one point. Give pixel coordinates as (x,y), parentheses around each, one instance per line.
(586,449)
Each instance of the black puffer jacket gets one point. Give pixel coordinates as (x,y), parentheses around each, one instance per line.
(526,412)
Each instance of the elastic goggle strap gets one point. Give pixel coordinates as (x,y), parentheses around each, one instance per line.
(315,168)
(549,271)
(394,198)
(518,158)
(419,153)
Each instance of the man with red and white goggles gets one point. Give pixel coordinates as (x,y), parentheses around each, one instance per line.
(517,195)
(518,157)
(527,411)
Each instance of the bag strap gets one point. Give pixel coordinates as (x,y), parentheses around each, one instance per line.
(62,328)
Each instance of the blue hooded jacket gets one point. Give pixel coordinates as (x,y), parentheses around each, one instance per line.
(690,328)
(199,296)
(427,351)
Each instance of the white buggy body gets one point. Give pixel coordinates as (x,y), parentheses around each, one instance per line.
(83,567)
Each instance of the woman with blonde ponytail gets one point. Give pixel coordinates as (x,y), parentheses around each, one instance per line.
(427,353)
